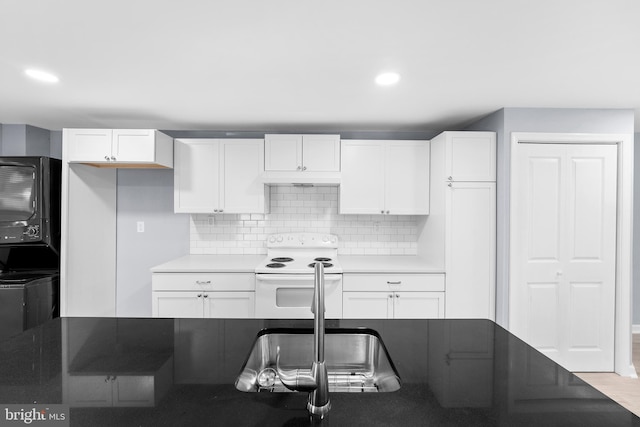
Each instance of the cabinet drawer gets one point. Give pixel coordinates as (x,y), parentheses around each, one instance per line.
(203,282)
(393,282)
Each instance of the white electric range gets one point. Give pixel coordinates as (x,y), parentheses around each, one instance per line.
(284,279)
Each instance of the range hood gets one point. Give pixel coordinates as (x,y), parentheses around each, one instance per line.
(293,178)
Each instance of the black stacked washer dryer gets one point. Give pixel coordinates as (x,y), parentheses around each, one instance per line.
(30,200)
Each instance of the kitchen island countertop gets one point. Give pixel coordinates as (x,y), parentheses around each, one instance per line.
(181,372)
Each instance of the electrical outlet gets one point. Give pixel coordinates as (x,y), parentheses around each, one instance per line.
(140,226)
(210,220)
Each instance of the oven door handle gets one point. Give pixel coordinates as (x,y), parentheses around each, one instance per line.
(295,278)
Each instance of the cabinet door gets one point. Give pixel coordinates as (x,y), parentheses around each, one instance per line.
(321,153)
(229,304)
(196,176)
(367,305)
(241,165)
(362,186)
(470,249)
(89,391)
(418,305)
(471,156)
(88,145)
(283,152)
(133,390)
(177,304)
(133,145)
(406,185)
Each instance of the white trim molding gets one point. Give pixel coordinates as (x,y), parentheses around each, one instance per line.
(623,364)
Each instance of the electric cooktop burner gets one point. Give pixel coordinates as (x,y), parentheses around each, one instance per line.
(275,265)
(282,259)
(326,265)
(322,259)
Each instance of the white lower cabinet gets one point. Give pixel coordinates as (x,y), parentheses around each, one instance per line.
(198,304)
(203,295)
(393,305)
(396,296)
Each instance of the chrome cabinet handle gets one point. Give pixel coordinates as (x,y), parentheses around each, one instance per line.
(382,211)
(199,295)
(397,296)
(450,178)
(390,295)
(220,210)
(206,295)
(399,282)
(450,184)
(113,158)
(304,168)
(106,158)
(203,282)
(387,212)
(299,168)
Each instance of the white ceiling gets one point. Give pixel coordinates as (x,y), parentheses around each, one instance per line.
(303,64)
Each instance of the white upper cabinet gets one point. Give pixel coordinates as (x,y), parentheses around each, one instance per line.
(470,156)
(385,177)
(304,153)
(119,147)
(219,176)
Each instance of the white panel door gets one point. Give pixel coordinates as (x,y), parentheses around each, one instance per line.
(407,178)
(241,165)
(470,249)
(563,252)
(196,176)
(362,185)
(229,304)
(471,156)
(177,304)
(85,145)
(283,152)
(367,305)
(133,145)
(321,153)
(418,305)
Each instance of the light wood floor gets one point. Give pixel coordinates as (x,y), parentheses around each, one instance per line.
(625,391)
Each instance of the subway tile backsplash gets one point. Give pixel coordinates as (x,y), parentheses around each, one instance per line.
(304,209)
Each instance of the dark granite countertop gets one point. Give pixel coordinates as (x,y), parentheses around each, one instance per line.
(165,372)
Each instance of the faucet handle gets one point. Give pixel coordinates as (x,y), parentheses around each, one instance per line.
(295,379)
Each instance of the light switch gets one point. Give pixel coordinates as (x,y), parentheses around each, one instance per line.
(140,226)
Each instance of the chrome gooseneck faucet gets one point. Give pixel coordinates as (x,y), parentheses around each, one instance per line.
(316,380)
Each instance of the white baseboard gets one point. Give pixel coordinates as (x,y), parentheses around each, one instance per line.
(635,329)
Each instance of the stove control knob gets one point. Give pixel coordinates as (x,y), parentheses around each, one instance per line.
(272,239)
(325,239)
(280,238)
(301,238)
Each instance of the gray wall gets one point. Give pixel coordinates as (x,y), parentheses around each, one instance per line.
(508,120)
(26,140)
(636,230)
(145,195)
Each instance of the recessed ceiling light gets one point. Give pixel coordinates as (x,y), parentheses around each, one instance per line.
(42,76)
(387,79)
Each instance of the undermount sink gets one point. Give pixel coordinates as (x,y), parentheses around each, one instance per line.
(356,360)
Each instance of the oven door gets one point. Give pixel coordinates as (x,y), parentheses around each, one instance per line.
(289,296)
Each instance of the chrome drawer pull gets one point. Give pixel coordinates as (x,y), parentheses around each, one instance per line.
(399,282)
(203,282)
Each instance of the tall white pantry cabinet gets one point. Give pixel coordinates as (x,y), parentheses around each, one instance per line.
(460,231)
